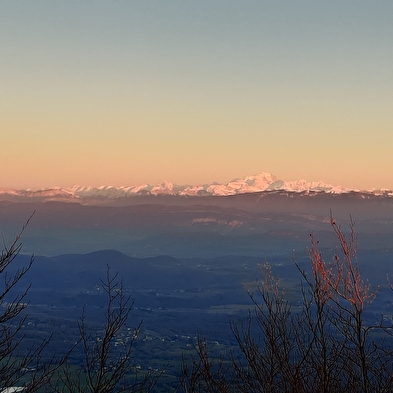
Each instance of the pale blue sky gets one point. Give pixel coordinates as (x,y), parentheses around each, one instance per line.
(123,92)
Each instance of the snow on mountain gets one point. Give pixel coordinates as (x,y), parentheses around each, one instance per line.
(303,185)
(46,194)
(259,182)
(250,184)
(101,192)
(194,191)
(268,182)
(163,188)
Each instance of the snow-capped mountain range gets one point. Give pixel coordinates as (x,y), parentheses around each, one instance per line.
(250,184)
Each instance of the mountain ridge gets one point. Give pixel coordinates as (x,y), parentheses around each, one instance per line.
(260,182)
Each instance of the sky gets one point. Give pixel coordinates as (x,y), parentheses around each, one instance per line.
(126,92)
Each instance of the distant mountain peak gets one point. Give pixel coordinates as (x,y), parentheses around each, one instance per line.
(259,182)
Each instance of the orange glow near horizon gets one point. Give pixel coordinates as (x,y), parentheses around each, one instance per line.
(130,94)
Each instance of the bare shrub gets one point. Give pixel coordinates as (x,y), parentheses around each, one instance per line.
(325,345)
(108,364)
(19,367)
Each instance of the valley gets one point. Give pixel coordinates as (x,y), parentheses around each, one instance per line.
(186,263)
